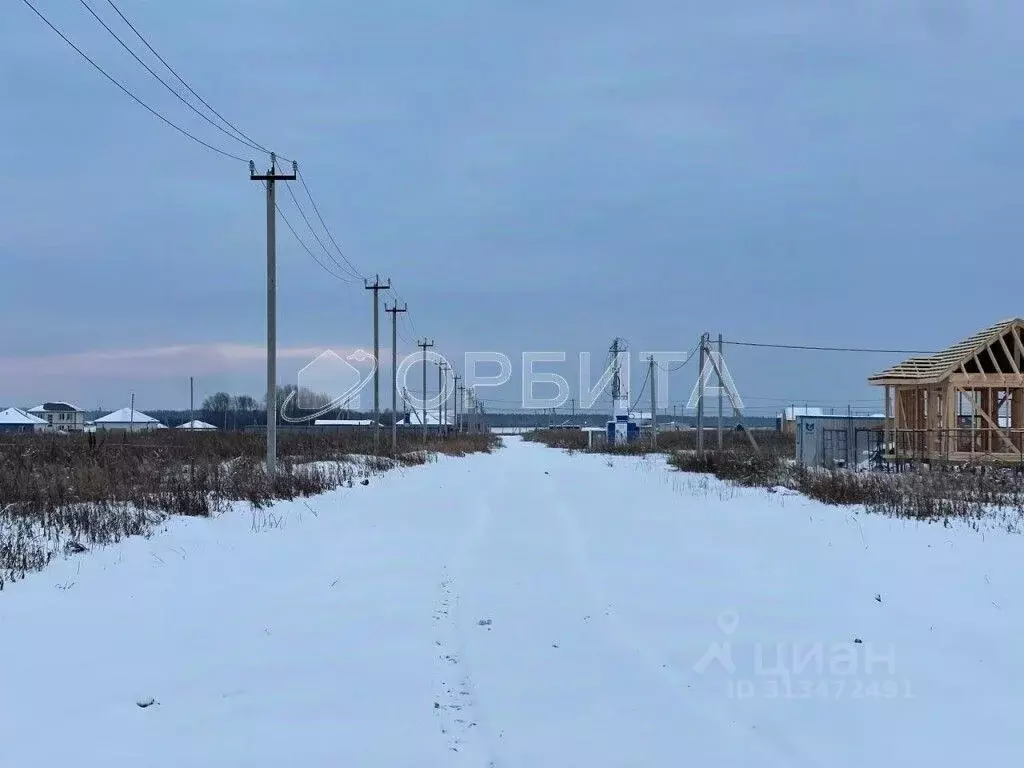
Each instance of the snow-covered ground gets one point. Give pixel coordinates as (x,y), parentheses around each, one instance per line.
(526,608)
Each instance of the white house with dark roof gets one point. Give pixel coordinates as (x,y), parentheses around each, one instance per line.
(15,420)
(127,419)
(60,415)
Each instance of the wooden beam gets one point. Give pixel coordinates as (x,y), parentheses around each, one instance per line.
(1009,355)
(987,380)
(998,431)
(949,421)
(995,365)
(1018,346)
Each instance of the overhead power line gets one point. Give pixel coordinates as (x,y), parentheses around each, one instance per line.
(127,92)
(689,357)
(235,133)
(163,82)
(251,142)
(831,349)
(642,388)
(316,237)
(305,247)
(316,209)
(303,244)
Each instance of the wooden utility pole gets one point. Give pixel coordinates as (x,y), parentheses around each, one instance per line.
(425,345)
(654,405)
(376,287)
(394,310)
(269,179)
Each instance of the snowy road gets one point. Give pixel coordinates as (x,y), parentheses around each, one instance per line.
(526,608)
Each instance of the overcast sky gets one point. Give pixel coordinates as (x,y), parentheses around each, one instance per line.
(532,176)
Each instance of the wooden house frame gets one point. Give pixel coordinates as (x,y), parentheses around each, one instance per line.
(963,404)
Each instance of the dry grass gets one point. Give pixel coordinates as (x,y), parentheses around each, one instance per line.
(941,496)
(668,441)
(58,491)
(971,495)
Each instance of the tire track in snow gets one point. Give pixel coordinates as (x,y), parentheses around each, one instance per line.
(628,638)
(470,740)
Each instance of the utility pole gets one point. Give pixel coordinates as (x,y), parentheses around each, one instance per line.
(700,396)
(460,391)
(269,179)
(394,310)
(376,287)
(191,402)
(424,345)
(440,398)
(572,418)
(615,379)
(654,405)
(719,368)
(455,402)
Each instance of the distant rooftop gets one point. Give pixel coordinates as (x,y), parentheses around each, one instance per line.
(125,416)
(18,416)
(54,407)
(792,411)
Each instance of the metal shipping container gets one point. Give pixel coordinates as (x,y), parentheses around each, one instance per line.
(838,441)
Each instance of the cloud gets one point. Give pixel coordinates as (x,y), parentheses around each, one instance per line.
(156,362)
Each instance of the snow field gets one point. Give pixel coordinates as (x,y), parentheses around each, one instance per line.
(524,608)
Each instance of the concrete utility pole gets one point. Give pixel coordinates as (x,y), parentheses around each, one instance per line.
(654,405)
(700,396)
(718,367)
(460,392)
(424,345)
(376,287)
(269,179)
(394,310)
(616,385)
(455,402)
(440,398)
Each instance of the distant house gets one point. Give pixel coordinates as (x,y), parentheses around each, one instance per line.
(343,423)
(14,420)
(60,415)
(132,421)
(785,422)
(196,425)
(415,419)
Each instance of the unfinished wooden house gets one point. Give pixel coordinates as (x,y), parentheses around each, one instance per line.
(963,404)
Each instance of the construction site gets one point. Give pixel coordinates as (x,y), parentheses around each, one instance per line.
(964,404)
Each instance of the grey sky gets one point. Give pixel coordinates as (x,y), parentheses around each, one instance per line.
(531,175)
